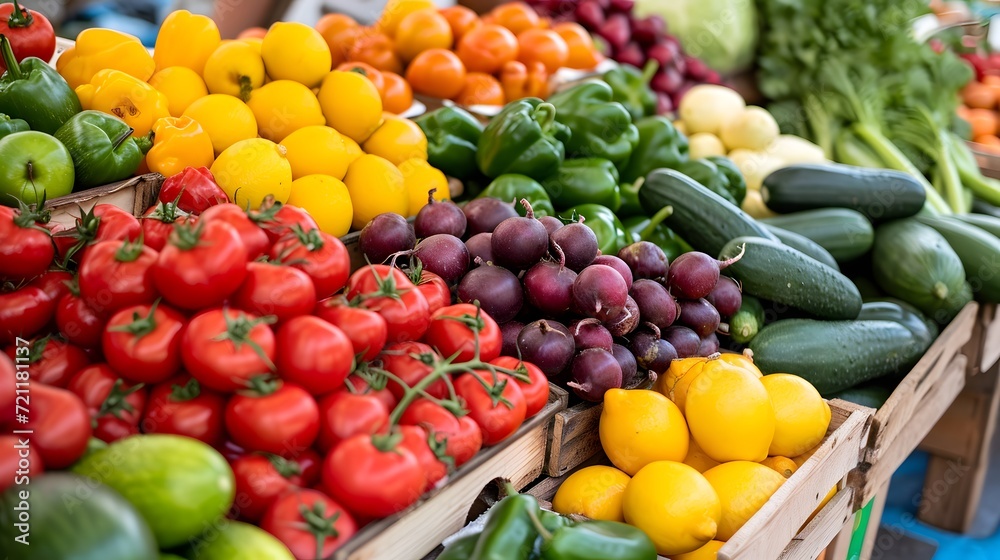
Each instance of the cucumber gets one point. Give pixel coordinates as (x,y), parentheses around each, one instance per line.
(914,263)
(924,332)
(804,244)
(879,194)
(834,355)
(984,222)
(745,323)
(777,272)
(845,233)
(872,395)
(980,206)
(701,217)
(979,252)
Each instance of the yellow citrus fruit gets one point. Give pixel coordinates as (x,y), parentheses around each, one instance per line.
(181,85)
(744,360)
(708,552)
(376,186)
(743,488)
(396,10)
(249,170)
(255,42)
(594,492)
(802,416)
(638,427)
(674,505)
(295,51)
(801,459)
(422,30)
(226,119)
(234,68)
(781,465)
(697,459)
(420,177)
(327,201)
(730,413)
(317,149)
(353,149)
(675,381)
(281,107)
(397,140)
(350,104)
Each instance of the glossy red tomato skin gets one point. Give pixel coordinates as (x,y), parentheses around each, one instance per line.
(310,465)
(366,329)
(398,359)
(150,356)
(415,439)
(254,238)
(52,361)
(105,222)
(27,248)
(18,462)
(158,221)
(60,425)
(451,337)
(203,275)
(313,354)
(286,419)
(320,255)
(344,414)
(108,282)
(93,385)
(197,414)
(535,390)
(216,362)
(435,290)
(464,438)
(277,223)
(275,290)
(284,519)
(361,387)
(497,422)
(367,279)
(29,309)
(78,322)
(370,481)
(259,483)
(406,313)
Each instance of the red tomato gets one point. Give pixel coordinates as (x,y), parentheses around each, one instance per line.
(60,424)
(158,222)
(535,390)
(499,411)
(114,275)
(277,219)
(9,376)
(313,354)
(366,329)
(398,360)
(371,278)
(462,435)
(223,349)
(180,406)
(320,255)
(388,292)
(26,310)
(451,332)
(344,414)
(359,385)
(419,442)
(260,479)
(142,343)
(254,238)
(27,249)
(193,190)
(55,283)
(434,289)
(309,523)
(275,420)
(114,406)
(52,361)
(104,222)
(372,478)
(30,33)
(201,265)
(17,462)
(310,465)
(77,321)
(274,289)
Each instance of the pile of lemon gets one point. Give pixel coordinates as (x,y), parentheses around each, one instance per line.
(696,457)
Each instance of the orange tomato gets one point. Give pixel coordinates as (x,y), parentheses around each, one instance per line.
(376,50)
(487,48)
(516,16)
(480,89)
(988,143)
(545,46)
(394,12)
(368,71)
(252,32)
(422,30)
(583,54)
(436,73)
(979,96)
(337,30)
(398,95)
(461,20)
(983,121)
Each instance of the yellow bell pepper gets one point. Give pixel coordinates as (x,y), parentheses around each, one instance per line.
(126,97)
(100,49)
(185,39)
(179,142)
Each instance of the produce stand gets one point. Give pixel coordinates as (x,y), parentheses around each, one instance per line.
(133,195)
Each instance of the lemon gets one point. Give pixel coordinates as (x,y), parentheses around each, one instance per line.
(353,149)
(227,120)
(376,186)
(350,104)
(802,416)
(744,360)
(234,68)
(743,488)
(697,459)
(781,465)
(181,85)
(295,51)
(420,177)
(397,140)
(281,107)
(638,427)
(708,552)
(249,170)
(594,492)
(675,381)
(317,149)
(801,459)
(730,413)
(326,199)
(674,505)
(396,10)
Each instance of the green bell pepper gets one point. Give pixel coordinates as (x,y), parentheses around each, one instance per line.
(630,205)
(653,230)
(660,145)
(709,176)
(461,548)
(584,181)
(630,87)
(35,92)
(102,147)
(523,138)
(511,186)
(10,126)
(601,127)
(611,234)
(597,540)
(452,136)
(510,529)
(737,183)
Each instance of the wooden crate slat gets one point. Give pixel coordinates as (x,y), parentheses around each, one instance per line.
(133,195)
(821,531)
(575,437)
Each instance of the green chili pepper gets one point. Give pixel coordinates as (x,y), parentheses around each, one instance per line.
(523,138)
(10,126)
(452,136)
(584,181)
(102,147)
(597,540)
(611,234)
(709,176)
(630,87)
(511,186)
(652,229)
(660,145)
(737,183)
(461,548)
(602,128)
(35,92)
(510,529)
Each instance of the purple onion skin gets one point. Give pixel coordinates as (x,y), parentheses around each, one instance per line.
(693,275)
(709,345)
(497,290)
(651,352)
(594,371)
(509,332)
(626,321)
(385,235)
(599,292)
(684,340)
(549,287)
(518,243)
(699,316)
(547,344)
(578,242)
(617,264)
(655,303)
(440,217)
(726,297)
(444,255)
(590,333)
(484,214)
(479,245)
(626,361)
(645,259)
(551,223)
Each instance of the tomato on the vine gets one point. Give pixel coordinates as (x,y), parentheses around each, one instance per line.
(77,321)
(60,425)
(462,436)
(142,343)
(115,407)
(362,385)
(182,407)
(201,265)
(429,452)
(275,417)
(104,222)
(388,292)
(320,255)
(434,289)
(51,360)
(158,222)
(224,349)
(453,330)
(343,415)
(260,479)
(310,465)
(497,405)
(366,329)
(275,289)
(411,362)
(27,248)
(373,475)
(254,238)
(114,275)
(313,354)
(309,523)
(277,219)
(535,389)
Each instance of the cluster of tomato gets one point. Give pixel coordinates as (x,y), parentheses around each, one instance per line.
(247,331)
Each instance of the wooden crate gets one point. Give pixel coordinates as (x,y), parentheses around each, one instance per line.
(133,195)
(983,348)
(411,534)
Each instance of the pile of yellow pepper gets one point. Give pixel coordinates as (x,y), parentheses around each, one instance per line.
(267,115)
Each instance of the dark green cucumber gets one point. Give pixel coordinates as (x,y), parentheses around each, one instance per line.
(923,330)
(701,217)
(879,194)
(804,244)
(980,206)
(834,355)
(747,322)
(984,222)
(845,233)
(776,272)
(979,252)
(872,395)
